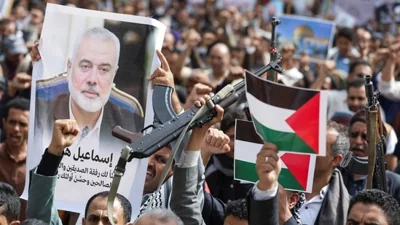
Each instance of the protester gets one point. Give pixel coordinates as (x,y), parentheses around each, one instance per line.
(14,150)
(9,205)
(326,204)
(359,147)
(373,207)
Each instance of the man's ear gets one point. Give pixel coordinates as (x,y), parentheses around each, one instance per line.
(15,222)
(83,221)
(69,66)
(293,199)
(336,160)
(4,121)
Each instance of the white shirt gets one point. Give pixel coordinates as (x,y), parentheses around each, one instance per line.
(390,90)
(87,140)
(310,209)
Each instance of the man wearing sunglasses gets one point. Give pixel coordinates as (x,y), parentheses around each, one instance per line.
(359,147)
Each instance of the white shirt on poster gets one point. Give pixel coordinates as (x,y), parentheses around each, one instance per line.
(87,139)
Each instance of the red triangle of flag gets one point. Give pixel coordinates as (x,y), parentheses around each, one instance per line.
(298,165)
(305,122)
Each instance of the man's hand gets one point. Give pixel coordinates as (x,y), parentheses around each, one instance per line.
(235,72)
(35,55)
(64,134)
(268,167)
(192,38)
(21,81)
(199,91)
(215,142)
(163,74)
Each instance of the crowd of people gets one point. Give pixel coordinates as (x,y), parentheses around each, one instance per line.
(205,48)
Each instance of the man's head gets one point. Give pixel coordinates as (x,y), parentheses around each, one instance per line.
(156,165)
(37,15)
(9,205)
(92,68)
(219,58)
(16,122)
(7,27)
(373,207)
(358,134)
(15,49)
(236,213)
(158,217)
(356,98)
(363,39)
(228,127)
(337,145)
(344,41)
(96,210)
(359,69)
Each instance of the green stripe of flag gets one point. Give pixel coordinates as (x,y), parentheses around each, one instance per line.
(283,140)
(247,172)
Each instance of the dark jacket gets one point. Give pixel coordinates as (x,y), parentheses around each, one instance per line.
(392,180)
(219,177)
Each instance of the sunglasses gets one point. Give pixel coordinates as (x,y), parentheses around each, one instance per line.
(356,134)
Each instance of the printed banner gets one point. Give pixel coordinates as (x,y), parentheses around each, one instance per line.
(94,69)
(354,12)
(243,6)
(292,118)
(297,171)
(309,35)
(5,8)
(387,11)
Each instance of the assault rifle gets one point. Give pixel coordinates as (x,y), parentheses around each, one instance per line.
(376,140)
(172,127)
(374,165)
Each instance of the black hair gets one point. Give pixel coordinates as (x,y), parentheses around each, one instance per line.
(357,83)
(126,205)
(6,21)
(9,202)
(358,62)
(230,117)
(33,222)
(17,103)
(385,201)
(237,208)
(345,33)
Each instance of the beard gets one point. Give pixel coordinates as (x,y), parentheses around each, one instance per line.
(85,103)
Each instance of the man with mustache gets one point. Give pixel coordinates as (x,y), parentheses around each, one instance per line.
(359,147)
(91,99)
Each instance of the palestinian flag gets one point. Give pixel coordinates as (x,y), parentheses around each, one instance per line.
(297,171)
(292,118)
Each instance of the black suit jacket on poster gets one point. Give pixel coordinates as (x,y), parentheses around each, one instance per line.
(50,110)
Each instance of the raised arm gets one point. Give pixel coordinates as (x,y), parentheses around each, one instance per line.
(184,201)
(43,179)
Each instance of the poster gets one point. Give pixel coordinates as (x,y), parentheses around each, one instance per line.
(387,11)
(354,12)
(309,35)
(5,8)
(243,6)
(94,69)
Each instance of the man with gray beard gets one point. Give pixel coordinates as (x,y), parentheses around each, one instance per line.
(86,94)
